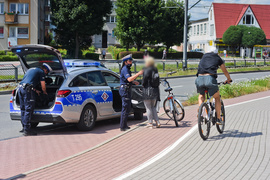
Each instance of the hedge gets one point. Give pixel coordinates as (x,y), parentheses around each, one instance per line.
(8,58)
(2,52)
(93,56)
(158,55)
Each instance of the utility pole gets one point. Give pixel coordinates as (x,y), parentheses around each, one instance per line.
(185,36)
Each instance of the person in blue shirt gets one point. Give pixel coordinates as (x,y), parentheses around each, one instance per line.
(126,81)
(27,92)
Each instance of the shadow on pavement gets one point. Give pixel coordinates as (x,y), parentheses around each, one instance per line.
(234,134)
(67,129)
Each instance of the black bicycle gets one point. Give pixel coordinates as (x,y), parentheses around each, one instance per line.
(172,106)
(207,116)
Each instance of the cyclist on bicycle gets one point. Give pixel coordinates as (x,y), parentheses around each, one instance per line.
(207,78)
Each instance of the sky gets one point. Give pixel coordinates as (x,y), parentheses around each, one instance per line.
(201,12)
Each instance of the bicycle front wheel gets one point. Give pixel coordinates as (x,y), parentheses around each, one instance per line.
(203,121)
(220,128)
(180,112)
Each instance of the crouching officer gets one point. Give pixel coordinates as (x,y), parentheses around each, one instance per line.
(126,81)
(27,92)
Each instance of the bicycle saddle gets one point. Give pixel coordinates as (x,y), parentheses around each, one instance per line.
(168,89)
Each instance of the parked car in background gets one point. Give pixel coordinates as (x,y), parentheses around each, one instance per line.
(197,50)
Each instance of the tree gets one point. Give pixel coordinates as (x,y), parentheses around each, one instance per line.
(172,25)
(232,36)
(253,36)
(138,21)
(77,20)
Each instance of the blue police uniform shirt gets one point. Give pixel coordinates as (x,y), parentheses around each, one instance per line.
(125,73)
(33,76)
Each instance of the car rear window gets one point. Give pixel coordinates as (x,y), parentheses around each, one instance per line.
(37,59)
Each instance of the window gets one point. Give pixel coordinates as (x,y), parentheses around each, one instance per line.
(19,32)
(204,28)
(19,7)
(22,32)
(212,30)
(80,80)
(47,17)
(95,78)
(1,8)
(190,30)
(194,30)
(248,19)
(111,19)
(1,32)
(198,29)
(211,15)
(201,28)
(111,80)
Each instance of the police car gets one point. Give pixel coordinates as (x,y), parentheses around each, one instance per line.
(80,92)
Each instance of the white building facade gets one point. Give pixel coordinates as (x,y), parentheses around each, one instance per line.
(107,36)
(208,32)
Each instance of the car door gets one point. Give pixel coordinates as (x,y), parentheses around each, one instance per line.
(113,82)
(101,92)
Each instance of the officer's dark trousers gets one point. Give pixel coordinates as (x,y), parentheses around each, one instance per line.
(27,103)
(126,106)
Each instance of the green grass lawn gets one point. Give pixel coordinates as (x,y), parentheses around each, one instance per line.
(237,89)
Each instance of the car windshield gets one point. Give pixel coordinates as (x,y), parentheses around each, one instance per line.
(37,59)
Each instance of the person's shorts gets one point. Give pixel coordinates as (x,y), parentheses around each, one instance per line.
(208,83)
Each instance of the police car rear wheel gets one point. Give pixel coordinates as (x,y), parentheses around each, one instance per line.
(88,119)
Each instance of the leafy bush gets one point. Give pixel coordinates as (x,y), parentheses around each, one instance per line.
(93,56)
(11,53)
(2,52)
(114,51)
(8,58)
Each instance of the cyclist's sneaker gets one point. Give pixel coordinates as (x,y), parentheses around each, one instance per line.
(219,121)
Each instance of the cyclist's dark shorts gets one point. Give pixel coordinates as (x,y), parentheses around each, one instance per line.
(206,83)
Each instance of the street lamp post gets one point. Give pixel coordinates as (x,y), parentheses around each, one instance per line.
(185,36)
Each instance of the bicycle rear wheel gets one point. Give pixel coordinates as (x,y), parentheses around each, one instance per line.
(180,112)
(203,121)
(174,117)
(220,128)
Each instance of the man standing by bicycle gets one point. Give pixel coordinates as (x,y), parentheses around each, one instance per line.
(207,78)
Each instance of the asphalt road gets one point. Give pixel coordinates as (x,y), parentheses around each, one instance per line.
(181,86)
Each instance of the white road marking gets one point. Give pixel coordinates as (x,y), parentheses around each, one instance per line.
(177,86)
(174,145)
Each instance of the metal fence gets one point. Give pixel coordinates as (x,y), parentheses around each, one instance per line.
(8,72)
(193,64)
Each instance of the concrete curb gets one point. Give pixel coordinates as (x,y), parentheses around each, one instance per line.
(5,92)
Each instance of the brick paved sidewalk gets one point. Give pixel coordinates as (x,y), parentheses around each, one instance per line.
(105,162)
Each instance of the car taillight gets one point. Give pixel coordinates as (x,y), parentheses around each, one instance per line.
(63,93)
(14,92)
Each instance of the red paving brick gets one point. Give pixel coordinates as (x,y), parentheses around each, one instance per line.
(105,162)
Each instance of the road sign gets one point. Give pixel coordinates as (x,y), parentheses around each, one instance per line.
(12,42)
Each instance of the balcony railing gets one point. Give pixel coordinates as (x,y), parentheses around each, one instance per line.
(11,18)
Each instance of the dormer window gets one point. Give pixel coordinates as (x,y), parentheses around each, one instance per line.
(248,19)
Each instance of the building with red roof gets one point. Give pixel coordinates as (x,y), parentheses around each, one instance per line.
(208,32)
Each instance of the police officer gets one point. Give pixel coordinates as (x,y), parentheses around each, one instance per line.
(126,81)
(27,92)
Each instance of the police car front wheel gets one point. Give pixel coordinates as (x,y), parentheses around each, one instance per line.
(87,119)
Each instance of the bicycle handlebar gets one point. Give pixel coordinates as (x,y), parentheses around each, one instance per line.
(223,83)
